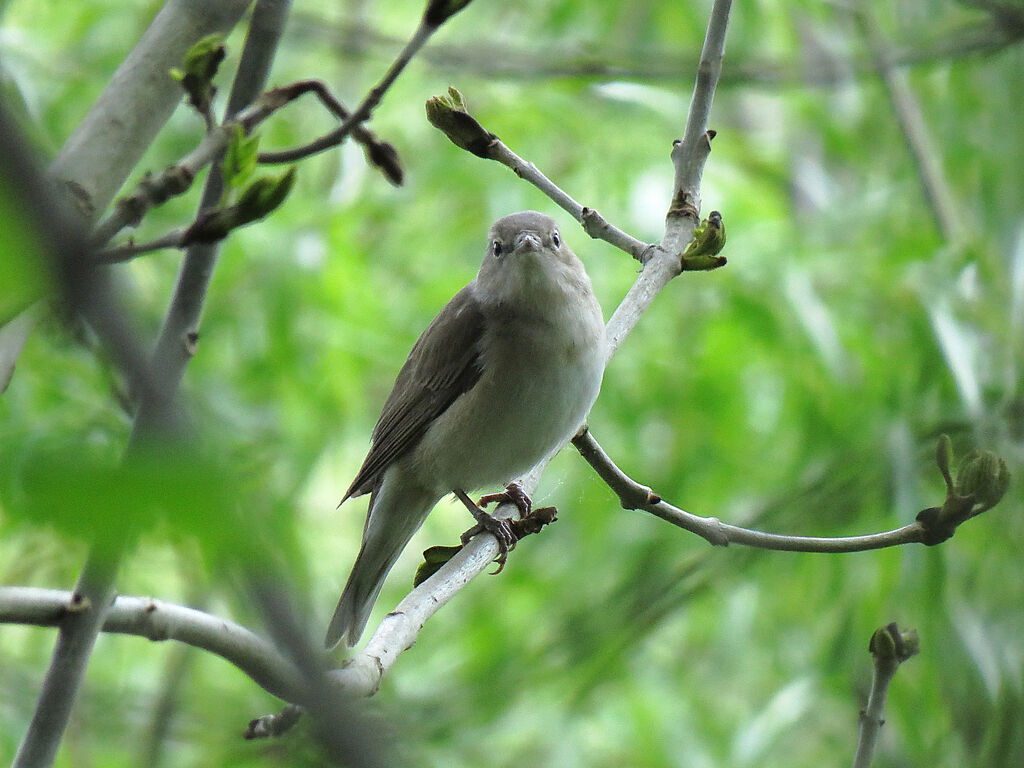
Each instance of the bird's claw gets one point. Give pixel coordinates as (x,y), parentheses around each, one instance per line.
(500,528)
(502,532)
(513,494)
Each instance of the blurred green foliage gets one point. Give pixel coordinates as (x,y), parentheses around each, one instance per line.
(801,389)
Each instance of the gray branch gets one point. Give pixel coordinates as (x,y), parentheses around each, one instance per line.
(889,647)
(633,495)
(603,63)
(398,631)
(938,193)
(176,343)
(79,624)
(158,620)
(120,126)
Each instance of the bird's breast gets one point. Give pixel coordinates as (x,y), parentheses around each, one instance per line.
(541,373)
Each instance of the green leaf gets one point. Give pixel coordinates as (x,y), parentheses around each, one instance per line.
(198,70)
(433,559)
(264,195)
(240,158)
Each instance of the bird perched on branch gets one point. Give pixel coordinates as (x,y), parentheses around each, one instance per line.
(503,376)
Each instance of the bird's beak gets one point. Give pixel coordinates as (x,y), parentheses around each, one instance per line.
(528,241)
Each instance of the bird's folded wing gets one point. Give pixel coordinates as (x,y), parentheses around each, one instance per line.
(443,364)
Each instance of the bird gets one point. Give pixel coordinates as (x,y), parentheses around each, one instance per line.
(503,376)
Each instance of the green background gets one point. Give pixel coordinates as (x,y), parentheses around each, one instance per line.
(801,390)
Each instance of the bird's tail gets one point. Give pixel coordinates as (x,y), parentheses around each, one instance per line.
(390,523)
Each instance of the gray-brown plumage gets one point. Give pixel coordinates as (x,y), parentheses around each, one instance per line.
(503,376)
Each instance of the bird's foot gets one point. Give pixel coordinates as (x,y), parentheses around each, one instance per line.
(499,528)
(513,494)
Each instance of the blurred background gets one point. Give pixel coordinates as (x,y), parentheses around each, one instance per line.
(869,170)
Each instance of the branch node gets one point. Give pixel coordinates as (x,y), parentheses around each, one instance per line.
(708,240)
(981,482)
(450,116)
(269,726)
(78,603)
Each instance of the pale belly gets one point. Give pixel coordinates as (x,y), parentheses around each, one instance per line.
(514,416)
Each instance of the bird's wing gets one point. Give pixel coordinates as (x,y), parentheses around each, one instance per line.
(443,364)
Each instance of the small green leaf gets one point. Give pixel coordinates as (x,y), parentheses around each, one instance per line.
(433,559)
(240,158)
(264,195)
(259,199)
(204,57)
(198,70)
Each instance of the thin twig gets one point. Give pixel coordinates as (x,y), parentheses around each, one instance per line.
(889,648)
(688,158)
(379,153)
(936,189)
(178,178)
(593,223)
(633,495)
(423,33)
(450,115)
(128,251)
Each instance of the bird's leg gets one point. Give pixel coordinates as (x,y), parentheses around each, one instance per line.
(513,494)
(500,529)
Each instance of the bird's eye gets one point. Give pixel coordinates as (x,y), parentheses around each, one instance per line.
(556,239)
(497,247)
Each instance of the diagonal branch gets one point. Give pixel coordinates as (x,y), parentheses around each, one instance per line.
(938,193)
(362,673)
(450,115)
(688,158)
(428,25)
(177,178)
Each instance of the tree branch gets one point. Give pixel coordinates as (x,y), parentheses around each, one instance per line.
(889,647)
(363,673)
(90,295)
(927,160)
(688,158)
(423,32)
(157,620)
(79,624)
(177,341)
(633,495)
(177,179)
(981,483)
(86,292)
(450,115)
(97,158)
